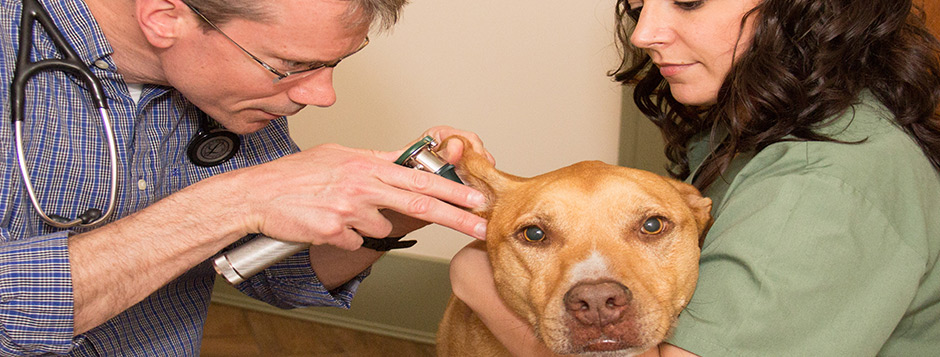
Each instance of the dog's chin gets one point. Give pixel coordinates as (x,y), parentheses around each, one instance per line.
(606,347)
(602,346)
(632,336)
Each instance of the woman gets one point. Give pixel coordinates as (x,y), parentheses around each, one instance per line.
(811,125)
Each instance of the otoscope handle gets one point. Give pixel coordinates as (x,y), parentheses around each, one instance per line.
(254,256)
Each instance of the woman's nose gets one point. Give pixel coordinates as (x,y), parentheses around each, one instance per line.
(652,28)
(314,89)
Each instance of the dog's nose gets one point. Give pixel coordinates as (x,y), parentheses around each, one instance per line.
(597,303)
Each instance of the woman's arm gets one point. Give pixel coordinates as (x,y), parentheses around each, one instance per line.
(472,281)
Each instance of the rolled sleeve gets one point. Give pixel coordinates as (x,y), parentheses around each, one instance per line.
(36,298)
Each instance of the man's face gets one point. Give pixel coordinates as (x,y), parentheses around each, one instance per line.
(222,80)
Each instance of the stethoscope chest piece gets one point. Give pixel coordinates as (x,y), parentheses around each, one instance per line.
(212,145)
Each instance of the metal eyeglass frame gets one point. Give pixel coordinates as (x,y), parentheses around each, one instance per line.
(280,75)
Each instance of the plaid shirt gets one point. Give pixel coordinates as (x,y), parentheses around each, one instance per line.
(67,159)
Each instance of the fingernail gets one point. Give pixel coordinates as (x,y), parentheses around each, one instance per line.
(480,230)
(476,199)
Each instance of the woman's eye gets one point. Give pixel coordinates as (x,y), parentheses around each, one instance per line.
(689,5)
(634,13)
(533,234)
(653,225)
(633,10)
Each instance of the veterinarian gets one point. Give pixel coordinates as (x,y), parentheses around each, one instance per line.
(139,282)
(812,126)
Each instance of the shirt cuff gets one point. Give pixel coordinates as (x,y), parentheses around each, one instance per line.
(293,283)
(36,297)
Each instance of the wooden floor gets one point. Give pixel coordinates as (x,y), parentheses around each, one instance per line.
(231,331)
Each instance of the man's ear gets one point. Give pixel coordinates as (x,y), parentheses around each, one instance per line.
(477,172)
(162,21)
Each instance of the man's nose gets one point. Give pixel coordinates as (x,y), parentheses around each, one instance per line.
(314,89)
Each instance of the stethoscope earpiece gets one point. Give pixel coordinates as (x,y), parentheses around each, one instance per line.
(212,145)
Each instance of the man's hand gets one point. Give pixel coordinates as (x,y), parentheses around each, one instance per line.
(334,195)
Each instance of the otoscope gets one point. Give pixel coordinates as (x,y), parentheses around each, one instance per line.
(260,252)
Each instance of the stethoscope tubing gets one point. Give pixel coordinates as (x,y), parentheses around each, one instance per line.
(58,222)
(33,11)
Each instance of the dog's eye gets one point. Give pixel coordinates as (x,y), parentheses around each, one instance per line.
(653,225)
(533,234)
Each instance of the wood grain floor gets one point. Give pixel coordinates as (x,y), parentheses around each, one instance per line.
(231,331)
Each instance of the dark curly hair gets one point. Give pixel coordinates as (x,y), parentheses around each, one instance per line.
(807,62)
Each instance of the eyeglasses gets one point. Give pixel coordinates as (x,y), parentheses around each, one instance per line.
(280,75)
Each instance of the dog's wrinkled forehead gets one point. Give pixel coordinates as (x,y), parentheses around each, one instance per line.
(582,185)
(588,191)
(592,182)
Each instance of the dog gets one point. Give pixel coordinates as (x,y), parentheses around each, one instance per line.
(598,259)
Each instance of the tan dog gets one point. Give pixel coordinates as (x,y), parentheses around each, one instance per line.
(596,257)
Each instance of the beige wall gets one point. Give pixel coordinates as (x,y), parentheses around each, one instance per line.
(527,76)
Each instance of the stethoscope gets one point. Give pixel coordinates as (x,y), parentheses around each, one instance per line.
(210,146)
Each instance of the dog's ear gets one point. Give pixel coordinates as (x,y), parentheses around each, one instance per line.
(477,172)
(701,206)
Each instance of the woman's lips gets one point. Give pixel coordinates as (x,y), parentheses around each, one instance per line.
(670,69)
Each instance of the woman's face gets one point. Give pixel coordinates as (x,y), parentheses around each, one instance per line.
(693,43)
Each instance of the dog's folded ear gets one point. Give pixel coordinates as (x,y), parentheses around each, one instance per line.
(701,206)
(477,172)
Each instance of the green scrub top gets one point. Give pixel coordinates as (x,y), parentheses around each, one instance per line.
(821,248)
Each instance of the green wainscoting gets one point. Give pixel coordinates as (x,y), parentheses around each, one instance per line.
(404,298)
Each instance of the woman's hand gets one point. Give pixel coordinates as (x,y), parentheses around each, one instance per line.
(451,151)
(472,282)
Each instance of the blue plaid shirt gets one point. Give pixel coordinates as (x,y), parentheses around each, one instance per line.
(67,159)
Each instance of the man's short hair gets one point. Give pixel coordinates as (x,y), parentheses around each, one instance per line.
(381,13)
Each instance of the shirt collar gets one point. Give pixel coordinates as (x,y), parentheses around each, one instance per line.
(701,147)
(77,24)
